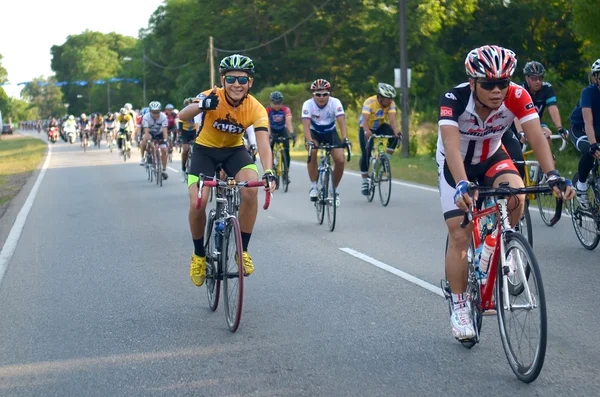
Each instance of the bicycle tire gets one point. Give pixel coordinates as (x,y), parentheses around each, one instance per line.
(330,202)
(158,169)
(387,170)
(233,237)
(213,266)
(576,218)
(545,201)
(285,173)
(320,203)
(525,373)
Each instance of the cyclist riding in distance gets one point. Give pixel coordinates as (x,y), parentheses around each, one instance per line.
(187,134)
(171,123)
(109,126)
(226,113)
(154,125)
(473,117)
(374,111)
(84,125)
(319,115)
(544,98)
(280,121)
(125,125)
(138,126)
(585,132)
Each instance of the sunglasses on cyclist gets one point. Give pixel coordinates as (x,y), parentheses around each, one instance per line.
(489,85)
(536,78)
(321,94)
(243,80)
(155,112)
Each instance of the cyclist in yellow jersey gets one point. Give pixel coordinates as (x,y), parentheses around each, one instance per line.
(372,121)
(226,113)
(125,124)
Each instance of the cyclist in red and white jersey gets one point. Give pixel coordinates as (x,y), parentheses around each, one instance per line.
(473,118)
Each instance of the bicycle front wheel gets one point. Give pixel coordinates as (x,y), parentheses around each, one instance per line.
(213,281)
(285,173)
(385,181)
(522,318)
(322,187)
(546,204)
(331,200)
(373,178)
(233,273)
(524,226)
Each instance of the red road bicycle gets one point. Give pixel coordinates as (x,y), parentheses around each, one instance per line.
(515,295)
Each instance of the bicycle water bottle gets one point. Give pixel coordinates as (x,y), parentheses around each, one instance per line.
(219,227)
(489,246)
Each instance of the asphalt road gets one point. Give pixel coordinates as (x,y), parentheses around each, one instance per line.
(97,300)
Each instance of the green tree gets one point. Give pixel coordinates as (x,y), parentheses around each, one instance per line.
(43,94)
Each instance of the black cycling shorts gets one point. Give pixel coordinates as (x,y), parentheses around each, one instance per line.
(205,160)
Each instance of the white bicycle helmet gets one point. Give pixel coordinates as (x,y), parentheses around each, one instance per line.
(175,111)
(169,107)
(123,111)
(386,90)
(83,116)
(155,105)
(128,106)
(596,66)
(71,117)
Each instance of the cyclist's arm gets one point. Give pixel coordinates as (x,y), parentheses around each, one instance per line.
(146,133)
(190,111)
(264,147)
(306,128)
(365,123)
(165,133)
(555,116)
(341,119)
(288,122)
(451,140)
(588,119)
(537,141)
(394,123)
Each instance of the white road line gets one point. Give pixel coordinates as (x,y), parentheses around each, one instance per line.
(394,271)
(15,232)
(173,169)
(407,184)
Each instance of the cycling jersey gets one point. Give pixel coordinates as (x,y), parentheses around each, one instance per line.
(375,112)
(187,125)
(225,126)
(543,98)
(110,124)
(83,124)
(478,139)
(170,119)
(277,117)
(155,125)
(124,121)
(590,98)
(322,120)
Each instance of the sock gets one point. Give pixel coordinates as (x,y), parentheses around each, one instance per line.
(245,241)
(313,185)
(199,247)
(582,186)
(459,300)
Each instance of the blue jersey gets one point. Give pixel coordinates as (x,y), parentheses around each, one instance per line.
(277,117)
(590,98)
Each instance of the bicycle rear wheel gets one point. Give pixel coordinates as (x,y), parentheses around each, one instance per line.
(330,201)
(586,226)
(213,267)
(285,173)
(513,314)
(385,181)
(233,273)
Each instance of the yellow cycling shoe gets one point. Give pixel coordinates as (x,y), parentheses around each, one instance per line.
(248,265)
(198,269)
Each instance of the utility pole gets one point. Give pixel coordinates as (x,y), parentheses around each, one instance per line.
(211,60)
(144,76)
(108,95)
(403,77)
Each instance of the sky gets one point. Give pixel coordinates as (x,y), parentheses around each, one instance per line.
(29,28)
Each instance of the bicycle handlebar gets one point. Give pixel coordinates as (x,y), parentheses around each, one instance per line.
(552,137)
(327,146)
(233,184)
(506,191)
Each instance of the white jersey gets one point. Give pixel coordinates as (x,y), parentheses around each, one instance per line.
(322,120)
(157,125)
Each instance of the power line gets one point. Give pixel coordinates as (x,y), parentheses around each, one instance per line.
(165,67)
(278,37)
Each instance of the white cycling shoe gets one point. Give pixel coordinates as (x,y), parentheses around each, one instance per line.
(462,323)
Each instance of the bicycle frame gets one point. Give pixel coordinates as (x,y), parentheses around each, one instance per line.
(501,228)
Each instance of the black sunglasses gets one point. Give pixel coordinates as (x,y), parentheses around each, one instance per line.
(489,85)
(155,111)
(320,95)
(243,80)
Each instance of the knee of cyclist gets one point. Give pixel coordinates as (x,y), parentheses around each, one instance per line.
(249,194)
(458,238)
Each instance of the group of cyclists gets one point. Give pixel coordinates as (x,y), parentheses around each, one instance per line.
(482,124)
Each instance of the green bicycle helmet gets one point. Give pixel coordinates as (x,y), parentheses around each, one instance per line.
(237,62)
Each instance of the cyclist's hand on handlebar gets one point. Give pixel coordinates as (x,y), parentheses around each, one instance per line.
(562,187)
(368,134)
(563,133)
(522,138)
(310,145)
(347,143)
(595,150)
(462,199)
(269,177)
(293,136)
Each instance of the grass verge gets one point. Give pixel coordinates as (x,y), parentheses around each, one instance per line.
(19,157)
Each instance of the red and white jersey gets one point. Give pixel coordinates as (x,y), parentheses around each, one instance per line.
(480,139)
